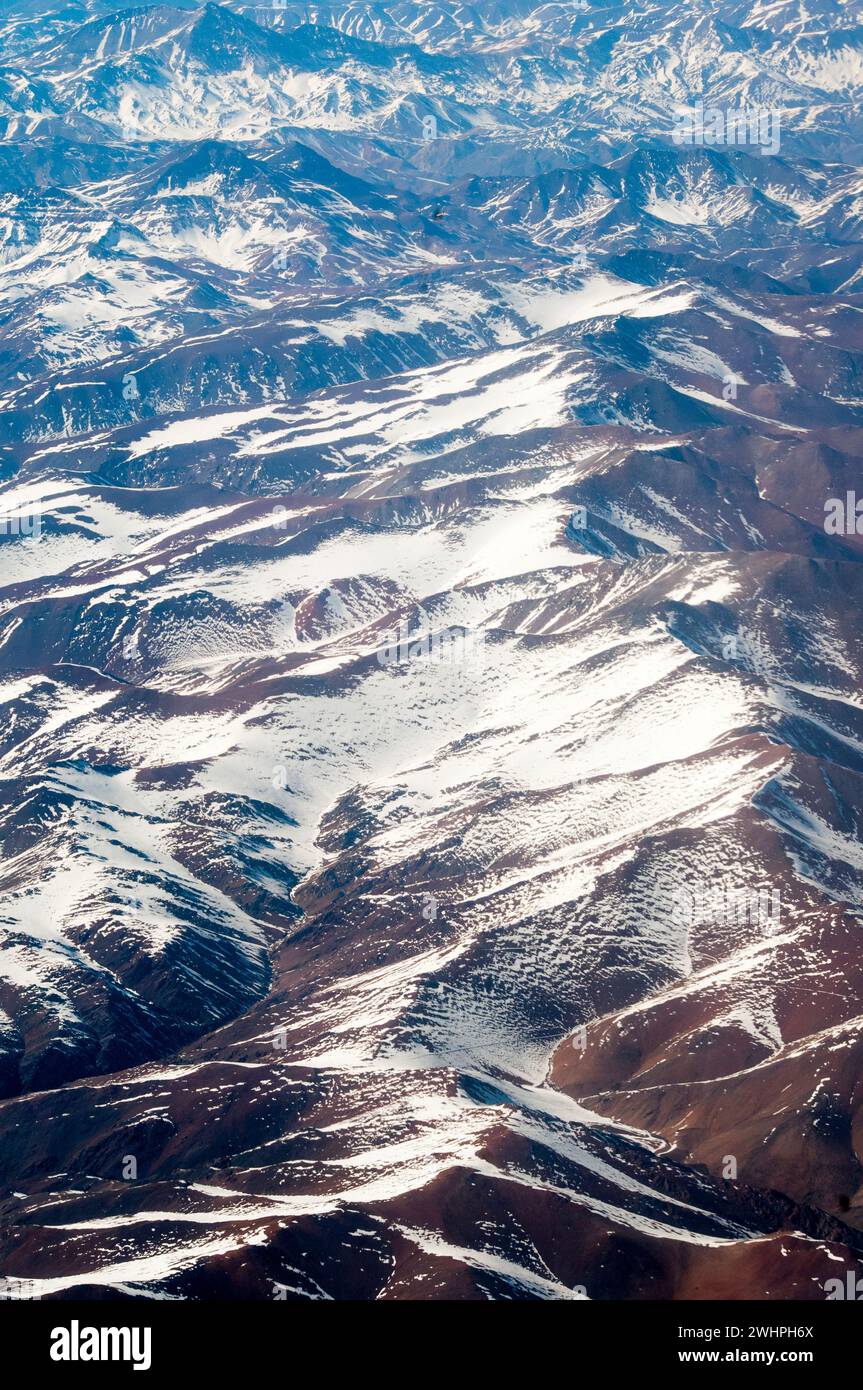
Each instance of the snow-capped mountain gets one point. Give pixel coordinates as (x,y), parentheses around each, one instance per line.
(430,666)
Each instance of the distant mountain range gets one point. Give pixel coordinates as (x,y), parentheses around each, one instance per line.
(431,735)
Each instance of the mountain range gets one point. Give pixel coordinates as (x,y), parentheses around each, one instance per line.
(431,730)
